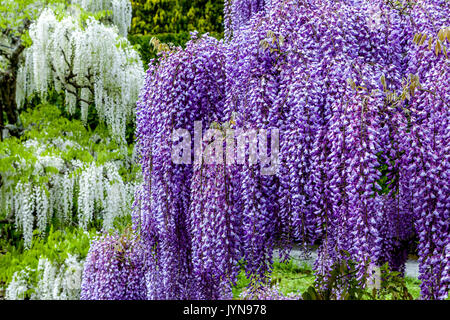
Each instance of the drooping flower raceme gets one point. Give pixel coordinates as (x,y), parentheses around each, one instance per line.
(55,188)
(187,86)
(115,269)
(361,172)
(298,71)
(89,64)
(425,167)
(49,281)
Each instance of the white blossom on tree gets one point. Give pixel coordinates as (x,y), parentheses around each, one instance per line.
(59,283)
(42,207)
(25,206)
(19,285)
(96,190)
(54,282)
(89,64)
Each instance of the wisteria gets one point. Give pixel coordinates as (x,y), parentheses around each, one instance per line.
(425,164)
(354,154)
(215,228)
(89,64)
(97,191)
(54,282)
(196,80)
(115,269)
(319,125)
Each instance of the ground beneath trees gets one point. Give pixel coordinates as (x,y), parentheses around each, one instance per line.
(412,265)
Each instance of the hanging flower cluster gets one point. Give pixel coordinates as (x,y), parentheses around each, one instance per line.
(425,166)
(115,269)
(187,86)
(215,227)
(101,187)
(362,170)
(238,13)
(90,64)
(297,72)
(53,282)
(121,11)
(54,189)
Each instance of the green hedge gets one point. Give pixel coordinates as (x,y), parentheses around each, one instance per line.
(175,16)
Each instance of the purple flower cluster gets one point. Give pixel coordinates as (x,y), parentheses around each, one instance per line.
(360,171)
(334,142)
(252,87)
(288,69)
(115,269)
(215,227)
(186,86)
(238,13)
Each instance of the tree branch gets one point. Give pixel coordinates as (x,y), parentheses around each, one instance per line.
(7,221)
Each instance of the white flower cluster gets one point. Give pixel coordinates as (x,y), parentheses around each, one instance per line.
(121,11)
(62,196)
(24,208)
(102,187)
(54,283)
(97,191)
(31,203)
(90,64)
(19,285)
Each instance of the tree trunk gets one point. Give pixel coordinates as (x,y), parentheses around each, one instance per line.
(8,85)
(8,97)
(8,102)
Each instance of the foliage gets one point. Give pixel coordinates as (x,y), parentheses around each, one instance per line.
(142,43)
(286,280)
(341,284)
(115,269)
(292,277)
(413,286)
(175,16)
(289,279)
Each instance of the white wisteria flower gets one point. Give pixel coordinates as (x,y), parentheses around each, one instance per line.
(90,64)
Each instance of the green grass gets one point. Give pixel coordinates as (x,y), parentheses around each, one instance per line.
(292,278)
(413,285)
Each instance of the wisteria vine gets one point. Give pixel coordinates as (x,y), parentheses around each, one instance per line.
(364,167)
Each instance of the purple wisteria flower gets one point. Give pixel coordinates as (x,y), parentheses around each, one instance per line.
(183,87)
(115,269)
(360,171)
